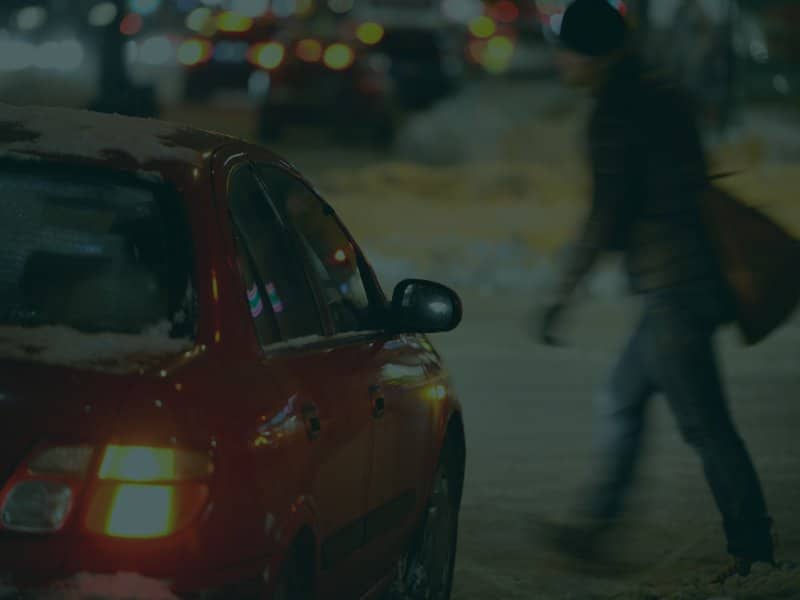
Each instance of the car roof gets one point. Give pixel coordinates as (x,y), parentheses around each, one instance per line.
(124,143)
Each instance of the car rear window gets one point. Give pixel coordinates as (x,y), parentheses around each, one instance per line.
(93,252)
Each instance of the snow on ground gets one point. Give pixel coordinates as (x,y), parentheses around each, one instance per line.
(529,428)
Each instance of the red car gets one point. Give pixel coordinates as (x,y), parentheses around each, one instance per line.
(203,389)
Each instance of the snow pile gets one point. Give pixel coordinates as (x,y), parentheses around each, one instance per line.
(113,352)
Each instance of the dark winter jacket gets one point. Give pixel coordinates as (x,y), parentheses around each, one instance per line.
(648,171)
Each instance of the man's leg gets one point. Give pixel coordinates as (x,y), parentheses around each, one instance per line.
(619,416)
(682,358)
(619,425)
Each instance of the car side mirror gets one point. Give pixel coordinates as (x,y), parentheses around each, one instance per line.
(420,306)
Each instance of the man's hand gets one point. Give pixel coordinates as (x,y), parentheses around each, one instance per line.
(545,323)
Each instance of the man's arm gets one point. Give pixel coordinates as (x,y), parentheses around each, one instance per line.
(613,176)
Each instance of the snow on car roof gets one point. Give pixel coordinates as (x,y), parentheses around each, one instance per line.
(128,142)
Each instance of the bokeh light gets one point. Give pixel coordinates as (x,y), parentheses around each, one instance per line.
(305,8)
(198,19)
(267,55)
(145,7)
(102,14)
(157,50)
(505,11)
(499,54)
(339,56)
(483,27)
(309,50)
(341,6)
(234,22)
(370,33)
(31,17)
(193,52)
(462,11)
(131,24)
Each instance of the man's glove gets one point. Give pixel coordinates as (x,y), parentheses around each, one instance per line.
(546,322)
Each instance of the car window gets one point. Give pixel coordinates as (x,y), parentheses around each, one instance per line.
(279,296)
(93,251)
(328,251)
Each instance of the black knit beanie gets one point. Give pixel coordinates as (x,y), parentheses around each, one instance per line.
(593,28)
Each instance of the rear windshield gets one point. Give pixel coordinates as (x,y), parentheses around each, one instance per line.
(92,252)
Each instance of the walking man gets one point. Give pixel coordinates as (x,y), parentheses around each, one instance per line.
(649,172)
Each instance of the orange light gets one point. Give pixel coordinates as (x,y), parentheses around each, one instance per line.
(138,463)
(148,464)
(370,33)
(214,286)
(146,492)
(194,52)
(339,56)
(267,55)
(233,22)
(309,50)
(141,511)
(434,393)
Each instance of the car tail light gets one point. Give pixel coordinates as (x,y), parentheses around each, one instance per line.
(147,492)
(39,498)
(139,491)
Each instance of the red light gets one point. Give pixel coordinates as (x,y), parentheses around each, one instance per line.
(505,11)
(131,24)
(620,6)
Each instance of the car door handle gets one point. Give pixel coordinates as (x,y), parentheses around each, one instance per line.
(378,401)
(313,424)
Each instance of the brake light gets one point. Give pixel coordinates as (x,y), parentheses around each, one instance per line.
(146,492)
(143,463)
(140,511)
(140,491)
(40,496)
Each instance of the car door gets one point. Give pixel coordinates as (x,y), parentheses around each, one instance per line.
(317,383)
(392,370)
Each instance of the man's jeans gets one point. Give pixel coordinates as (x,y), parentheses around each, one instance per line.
(672,352)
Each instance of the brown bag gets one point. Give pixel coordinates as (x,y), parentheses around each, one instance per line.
(761,262)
